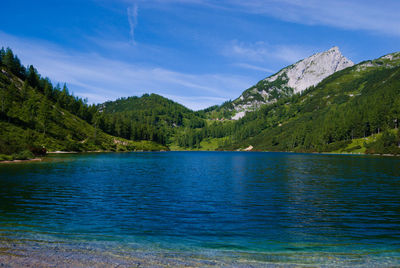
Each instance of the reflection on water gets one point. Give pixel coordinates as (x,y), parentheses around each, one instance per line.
(264,203)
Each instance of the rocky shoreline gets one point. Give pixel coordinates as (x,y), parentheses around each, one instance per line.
(53,254)
(40,253)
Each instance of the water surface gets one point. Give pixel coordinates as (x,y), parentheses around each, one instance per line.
(273,208)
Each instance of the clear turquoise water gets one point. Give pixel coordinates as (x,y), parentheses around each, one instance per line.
(253,204)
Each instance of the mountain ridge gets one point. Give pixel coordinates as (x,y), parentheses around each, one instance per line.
(361,102)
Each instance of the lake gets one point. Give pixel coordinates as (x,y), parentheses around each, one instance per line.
(201,209)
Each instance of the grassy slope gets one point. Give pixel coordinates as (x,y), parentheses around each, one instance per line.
(209,144)
(359,146)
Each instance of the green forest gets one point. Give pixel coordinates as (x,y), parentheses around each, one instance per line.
(355,110)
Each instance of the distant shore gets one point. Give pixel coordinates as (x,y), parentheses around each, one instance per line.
(254,151)
(63,152)
(21,161)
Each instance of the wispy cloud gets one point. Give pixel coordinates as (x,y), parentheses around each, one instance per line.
(101,79)
(254,67)
(132,19)
(370,15)
(377,16)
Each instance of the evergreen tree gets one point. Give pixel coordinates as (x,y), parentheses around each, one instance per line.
(33,78)
(44,114)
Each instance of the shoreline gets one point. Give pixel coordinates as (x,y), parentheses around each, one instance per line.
(291,152)
(40,253)
(62,152)
(56,253)
(70,152)
(21,161)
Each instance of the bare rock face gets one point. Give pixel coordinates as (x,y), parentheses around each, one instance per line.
(312,70)
(291,80)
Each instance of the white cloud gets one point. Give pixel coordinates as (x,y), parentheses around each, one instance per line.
(132,19)
(100,79)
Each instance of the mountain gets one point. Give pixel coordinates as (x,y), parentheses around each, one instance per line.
(301,108)
(35,116)
(290,80)
(356,109)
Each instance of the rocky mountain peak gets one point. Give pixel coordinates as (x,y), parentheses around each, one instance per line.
(334,49)
(292,79)
(312,70)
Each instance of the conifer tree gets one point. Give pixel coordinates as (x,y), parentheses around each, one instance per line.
(33,78)
(44,115)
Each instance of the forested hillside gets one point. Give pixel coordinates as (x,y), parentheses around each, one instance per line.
(155,118)
(36,116)
(150,117)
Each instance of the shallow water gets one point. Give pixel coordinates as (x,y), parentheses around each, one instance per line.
(273,208)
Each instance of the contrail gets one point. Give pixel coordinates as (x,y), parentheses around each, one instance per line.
(132,19)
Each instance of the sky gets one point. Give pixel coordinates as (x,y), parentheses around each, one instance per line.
(196,52)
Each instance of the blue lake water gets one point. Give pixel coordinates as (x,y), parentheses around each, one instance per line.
(259,205)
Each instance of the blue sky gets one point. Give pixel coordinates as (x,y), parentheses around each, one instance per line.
(196,52)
